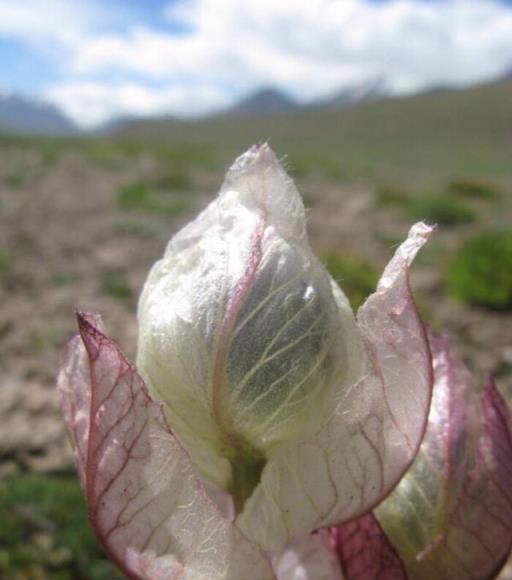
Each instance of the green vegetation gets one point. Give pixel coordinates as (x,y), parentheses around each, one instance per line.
(15,180)
(142,196)
(504,369)
(176,179)
(324,167)
(358,278)
(473,188)
(444,210)
(41,338)
(44,533)
(115,284)
(112,152)
(50,151)
(460,132)
(5,261)
(425,138)
(137,195)
(481,271)
(389,195)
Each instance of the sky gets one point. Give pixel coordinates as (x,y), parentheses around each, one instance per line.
(102,59)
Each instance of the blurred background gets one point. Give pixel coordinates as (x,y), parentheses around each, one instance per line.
(118,120)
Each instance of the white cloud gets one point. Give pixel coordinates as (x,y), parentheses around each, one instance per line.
(49,23)
(312,46)
(309,47)
(90,103)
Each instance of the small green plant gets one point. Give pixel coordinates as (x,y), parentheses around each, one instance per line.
(5,261)
(389,195)
(115,284)
(44,531)
(332,170)
(177,179)
(43,338)
(473,189)
(50,152)
(444,210)
(135,195)
(324,168)
(146,197)
(357,277)
(106,153)
(15,180)
(300,167)
(481,271)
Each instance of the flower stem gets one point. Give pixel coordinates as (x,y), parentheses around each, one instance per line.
(246,474)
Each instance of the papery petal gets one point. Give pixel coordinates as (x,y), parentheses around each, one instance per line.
(451,515)
(311,557)
(239,332)
(365,553)
(367,444)
(148,509)
(73,384)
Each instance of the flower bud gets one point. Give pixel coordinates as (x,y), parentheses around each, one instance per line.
(242,334)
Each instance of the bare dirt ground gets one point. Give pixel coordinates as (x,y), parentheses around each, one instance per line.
(67,244)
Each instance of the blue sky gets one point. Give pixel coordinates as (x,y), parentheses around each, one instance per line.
(98,59)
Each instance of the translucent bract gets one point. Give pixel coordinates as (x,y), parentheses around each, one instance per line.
(240,333)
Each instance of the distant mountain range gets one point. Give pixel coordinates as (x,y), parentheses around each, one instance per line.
(354,95)
(23,115)
(29,116)
(267,101)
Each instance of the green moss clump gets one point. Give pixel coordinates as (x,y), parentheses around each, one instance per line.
(444,210)
(472,188)
(390,195)
(177,179)
(115,284)
(481,271)
(44,531)
(358,278)
(5,261)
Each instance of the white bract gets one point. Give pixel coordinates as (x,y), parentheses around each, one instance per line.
(240,332)
(263,392)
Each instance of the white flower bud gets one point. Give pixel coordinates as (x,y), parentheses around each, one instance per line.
(242,333)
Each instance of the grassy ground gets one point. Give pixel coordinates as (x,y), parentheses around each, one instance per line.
(44,533)
(423,138)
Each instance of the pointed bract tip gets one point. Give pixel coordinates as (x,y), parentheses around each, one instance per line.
(404,255)
(90,330)
(421,232)
(82,320)
(259,157)
(88,319)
